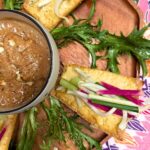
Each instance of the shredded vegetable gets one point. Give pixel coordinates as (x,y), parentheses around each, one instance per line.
(67,85)
(106,109)
(56,9)
(124,121)
(111,100)
(116,105)
(43,3)
(2,132)
(128,94)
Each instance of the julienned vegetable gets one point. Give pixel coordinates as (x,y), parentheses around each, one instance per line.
(28,130)
(129,97)
(105,100)
(83,32)
(116,105)
(102,104)
(109,104)
(2,132)
(68,85)
(118,91)
(89,92)
(106,109)
(128,94)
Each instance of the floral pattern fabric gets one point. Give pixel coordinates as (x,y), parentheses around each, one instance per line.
(137,136)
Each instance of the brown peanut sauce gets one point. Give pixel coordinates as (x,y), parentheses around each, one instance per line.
(24,62)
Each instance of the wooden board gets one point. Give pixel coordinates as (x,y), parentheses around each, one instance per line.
(118,16)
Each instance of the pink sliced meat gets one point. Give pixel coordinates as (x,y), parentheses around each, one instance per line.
(74,53)
(101,63)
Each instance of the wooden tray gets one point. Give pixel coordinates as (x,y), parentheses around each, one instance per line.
(117,16)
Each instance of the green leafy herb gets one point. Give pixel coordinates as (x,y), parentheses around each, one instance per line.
(54,117)
(59,123)
(92,11)
(112,60)
(28,130)
(83,32)
(13,4)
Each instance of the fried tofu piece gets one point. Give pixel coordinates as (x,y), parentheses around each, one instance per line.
(107,124)
(9,123)
(46,14)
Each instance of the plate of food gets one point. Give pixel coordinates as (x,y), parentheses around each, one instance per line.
(73,75)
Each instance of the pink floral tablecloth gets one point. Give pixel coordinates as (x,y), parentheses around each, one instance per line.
(137,135)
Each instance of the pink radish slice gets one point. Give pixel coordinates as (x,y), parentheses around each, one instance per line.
(2,133)
(121,91)
(129,94)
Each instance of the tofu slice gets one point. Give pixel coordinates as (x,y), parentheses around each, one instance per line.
(107,124)
(43,10)
(9,122)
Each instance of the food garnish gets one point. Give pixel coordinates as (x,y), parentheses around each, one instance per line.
(105,96)
(28,130)
(96,95)
(83,32)
(2,132)
(42,3)
(13,4)
(56,9)
(58,124)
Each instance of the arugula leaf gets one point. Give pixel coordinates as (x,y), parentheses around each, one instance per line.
(55,121)
(13,4)
(59,123)
(28,130)
(112,62)
(92,10)
(84,32)
(78,136)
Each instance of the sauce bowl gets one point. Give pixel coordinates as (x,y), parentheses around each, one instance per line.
(54,61)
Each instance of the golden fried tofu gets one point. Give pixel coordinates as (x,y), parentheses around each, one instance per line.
(107,124)
(9,123)
(44,10)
